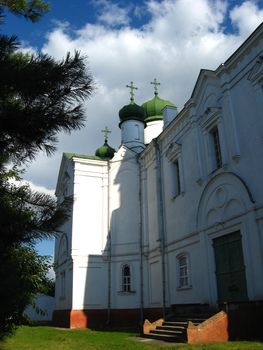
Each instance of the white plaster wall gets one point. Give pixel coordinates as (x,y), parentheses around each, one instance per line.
(132,134)
(90,217)
(90,283)
(152,130)
(125,226)
(124,203)
(120,299)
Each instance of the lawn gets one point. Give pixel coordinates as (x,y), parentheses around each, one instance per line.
(48,338)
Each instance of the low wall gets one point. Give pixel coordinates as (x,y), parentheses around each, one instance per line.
(215,329)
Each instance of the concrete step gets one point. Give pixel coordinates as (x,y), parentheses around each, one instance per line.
(163,331)
(171,328)
(165,337)
(186,320)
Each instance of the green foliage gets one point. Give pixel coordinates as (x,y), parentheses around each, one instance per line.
(23,273)
(39,97)
(26,215)
(29,9)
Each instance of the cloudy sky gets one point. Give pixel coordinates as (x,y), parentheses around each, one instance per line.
(139,40)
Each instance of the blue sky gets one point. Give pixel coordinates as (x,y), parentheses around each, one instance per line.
(170,40)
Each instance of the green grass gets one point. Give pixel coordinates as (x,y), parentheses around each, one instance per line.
(48,338)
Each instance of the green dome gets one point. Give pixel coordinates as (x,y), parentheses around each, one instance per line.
(132,111)
(154,108)
(105,152)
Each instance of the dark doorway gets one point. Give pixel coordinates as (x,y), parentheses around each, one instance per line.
(230,268)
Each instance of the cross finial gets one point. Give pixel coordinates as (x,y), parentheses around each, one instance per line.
(155,83)
(132,87)
(106,131)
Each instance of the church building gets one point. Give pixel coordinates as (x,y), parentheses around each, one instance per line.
(175,215)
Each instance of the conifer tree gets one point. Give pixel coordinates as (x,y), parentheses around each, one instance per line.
(39,97)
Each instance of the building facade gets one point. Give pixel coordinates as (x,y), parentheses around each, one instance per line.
(175,216)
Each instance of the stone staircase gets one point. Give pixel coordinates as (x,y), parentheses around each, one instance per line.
(173,330)
(174,327)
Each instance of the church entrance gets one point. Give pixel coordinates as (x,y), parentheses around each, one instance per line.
(230,268)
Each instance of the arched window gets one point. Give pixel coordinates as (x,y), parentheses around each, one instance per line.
(183,271)
(126,278)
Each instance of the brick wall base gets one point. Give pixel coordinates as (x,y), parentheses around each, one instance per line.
(117,318)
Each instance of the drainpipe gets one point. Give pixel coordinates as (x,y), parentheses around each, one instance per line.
(161,219)
(109,250)
(141,243)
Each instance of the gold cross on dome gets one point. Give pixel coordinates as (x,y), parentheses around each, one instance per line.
(132,87)
(106,131)
(155,83)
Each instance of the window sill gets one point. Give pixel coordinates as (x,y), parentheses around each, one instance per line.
(184,288)
(126,293)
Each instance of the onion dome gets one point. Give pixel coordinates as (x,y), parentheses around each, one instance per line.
(105,152)
(132,111)
(154,107)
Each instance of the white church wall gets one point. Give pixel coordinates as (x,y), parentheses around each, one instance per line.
(213,201)
(90,219)
(248,115)
(64,286)
(152,205)
(122,299)
(90,283)
(124,203)
(155,282)
(153,129)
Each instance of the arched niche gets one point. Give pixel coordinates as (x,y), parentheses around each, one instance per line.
(224,197)
(62,249)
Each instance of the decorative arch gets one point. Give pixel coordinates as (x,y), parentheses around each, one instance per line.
(63,249)
(225,195)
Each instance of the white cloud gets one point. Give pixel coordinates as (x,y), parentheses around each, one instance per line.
(246,17)
(38,188)
(26,48)
(111,14)
(180,38)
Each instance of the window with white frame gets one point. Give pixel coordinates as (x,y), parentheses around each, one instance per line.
(126,278)
(183,271)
